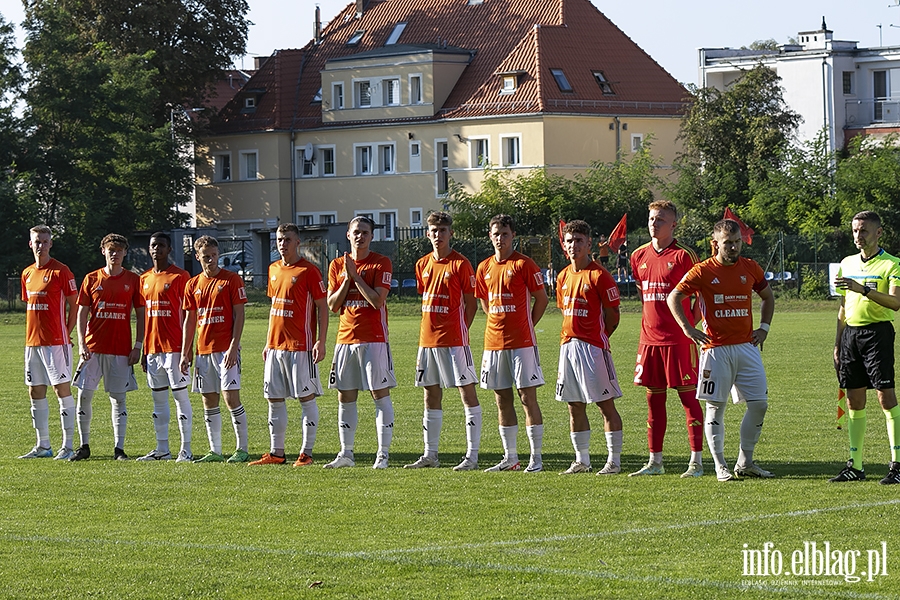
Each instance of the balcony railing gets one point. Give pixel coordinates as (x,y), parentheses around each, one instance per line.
(872,111)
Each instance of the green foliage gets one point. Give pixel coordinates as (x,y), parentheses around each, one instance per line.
(813,284)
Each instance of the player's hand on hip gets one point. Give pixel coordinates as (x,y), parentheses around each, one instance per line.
(758,337)
(696,335)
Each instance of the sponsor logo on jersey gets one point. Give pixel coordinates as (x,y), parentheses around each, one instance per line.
(714,281)
(743,279)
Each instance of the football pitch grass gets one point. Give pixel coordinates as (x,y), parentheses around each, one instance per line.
(107,529)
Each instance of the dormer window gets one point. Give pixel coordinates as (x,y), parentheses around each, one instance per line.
(603,82)
(250,102)
(356,37)
(395,34)
(561,80)
(509,84)
(318,97)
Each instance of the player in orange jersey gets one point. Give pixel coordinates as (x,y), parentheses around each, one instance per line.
(358,285)
(105,301)
(446,281)
(48,287)
(730,357)
(298,326)
(666,358)
(588,297)
(162,288)
(214,301)
(511,288)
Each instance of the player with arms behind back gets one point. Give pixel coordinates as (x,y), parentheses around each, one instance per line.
(48,288)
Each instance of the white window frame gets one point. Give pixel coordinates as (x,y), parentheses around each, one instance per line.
(245,174)
(510,84)
(250,102)
(390,89)
(359,150)
(637,142)
(439,167)
(413,221)
(412,96)
(415,149)
(358,95)
(474,142)
(316,217)
(505,141)
(337,95)
(382,149)
(217,171)
(330,148)
(380,234)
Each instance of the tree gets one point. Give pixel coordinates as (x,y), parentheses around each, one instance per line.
(769,44)
(732,141)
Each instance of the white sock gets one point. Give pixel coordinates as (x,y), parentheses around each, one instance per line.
(67,418)
(614,446)
(581,441)
(656,457)
(278,418)
(697,457)
(213,419)
(714,427)
(348,419)
(119,418)
(536,440)
(239,421)
(431,424)
(161,417)
(384,424)
(85,412)
(508,439)
(310,424)
(751,427)
(40,418)
(185,415)
(473,431)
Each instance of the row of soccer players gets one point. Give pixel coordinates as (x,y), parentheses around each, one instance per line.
(171,309)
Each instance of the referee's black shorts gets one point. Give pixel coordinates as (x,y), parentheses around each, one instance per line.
(867,356)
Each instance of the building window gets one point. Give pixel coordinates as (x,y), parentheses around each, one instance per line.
(309,166)
(848,82)
(415,89)
(356,37)
(337,95)
(391,89)
(316,218)
(386,156)
(442,158)
(511,151)
(364,164)
(603,82)
(389,220)
(509,84)
(250,102)
(479,155)
(415,217)
(395,34)
(318,97)
(637,142)
(222,167)
(327,158)
(561,80)
(414,150)
(249,165)
(363,93)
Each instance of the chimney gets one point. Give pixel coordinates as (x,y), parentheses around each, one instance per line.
(359,8)
(317,31)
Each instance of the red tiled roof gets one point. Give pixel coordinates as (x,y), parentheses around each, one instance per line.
(533,36)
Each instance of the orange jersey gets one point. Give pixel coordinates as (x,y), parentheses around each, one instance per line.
(507,287)
(656,274)
(111,300)
(442,284)
(360,322)
(292,318)
(582,296)
(725,298)
(214,299)
(44,291)
(163,294)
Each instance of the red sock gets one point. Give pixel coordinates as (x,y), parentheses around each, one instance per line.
(656,420)
(694,418)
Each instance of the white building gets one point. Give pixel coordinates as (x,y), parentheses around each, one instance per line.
(831,83)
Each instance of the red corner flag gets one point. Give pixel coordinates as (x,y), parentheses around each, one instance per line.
(562,224)
(746,232)
(841,413)
(617,237)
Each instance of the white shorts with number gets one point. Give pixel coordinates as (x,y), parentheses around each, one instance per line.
(48,365)
(211,376)
(501,369)
(738,365)
(164,371)
(446,367)
(366,366)
(290,374)
(118,375)
(586,374)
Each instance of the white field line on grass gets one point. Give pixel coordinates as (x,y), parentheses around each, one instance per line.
(417,555)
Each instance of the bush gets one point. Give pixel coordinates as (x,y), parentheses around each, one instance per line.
(813,284)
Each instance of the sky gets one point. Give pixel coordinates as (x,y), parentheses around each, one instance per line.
(670,32)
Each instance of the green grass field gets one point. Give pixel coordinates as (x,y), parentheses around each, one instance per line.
(106,529)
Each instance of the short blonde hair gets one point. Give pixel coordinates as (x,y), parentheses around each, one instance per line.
(205,241)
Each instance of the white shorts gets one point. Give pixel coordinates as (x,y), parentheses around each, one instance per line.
(737,365)
(446,367)
(118,375)
(586,374)
(366,366)
(164,371)
(48,365)
(501,369)
(211,376)
(290,374)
